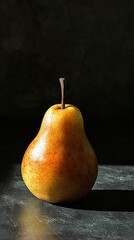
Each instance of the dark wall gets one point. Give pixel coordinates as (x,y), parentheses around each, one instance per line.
(91,44)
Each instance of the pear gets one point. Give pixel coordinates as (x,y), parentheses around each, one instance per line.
(60,164)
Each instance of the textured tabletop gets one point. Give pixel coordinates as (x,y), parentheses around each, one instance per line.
(106,213)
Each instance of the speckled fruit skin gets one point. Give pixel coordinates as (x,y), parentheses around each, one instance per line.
(60,164)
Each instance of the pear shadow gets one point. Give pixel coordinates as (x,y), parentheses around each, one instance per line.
(105,200)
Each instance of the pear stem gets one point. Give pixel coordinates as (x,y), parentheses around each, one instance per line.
(62,84)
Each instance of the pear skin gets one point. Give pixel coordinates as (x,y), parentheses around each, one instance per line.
(60,164)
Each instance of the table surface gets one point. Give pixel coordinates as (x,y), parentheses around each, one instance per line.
(106,213)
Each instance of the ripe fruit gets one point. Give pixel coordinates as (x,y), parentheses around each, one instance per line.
(60,164)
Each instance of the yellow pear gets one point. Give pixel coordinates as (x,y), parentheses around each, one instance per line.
(60,164)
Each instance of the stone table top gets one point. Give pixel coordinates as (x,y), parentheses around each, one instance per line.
(106,213)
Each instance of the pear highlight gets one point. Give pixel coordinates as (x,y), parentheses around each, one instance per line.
(60,164)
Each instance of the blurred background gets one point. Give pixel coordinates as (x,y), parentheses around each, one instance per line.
(91,44)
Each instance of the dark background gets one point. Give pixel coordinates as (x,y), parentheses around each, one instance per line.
(91,44)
